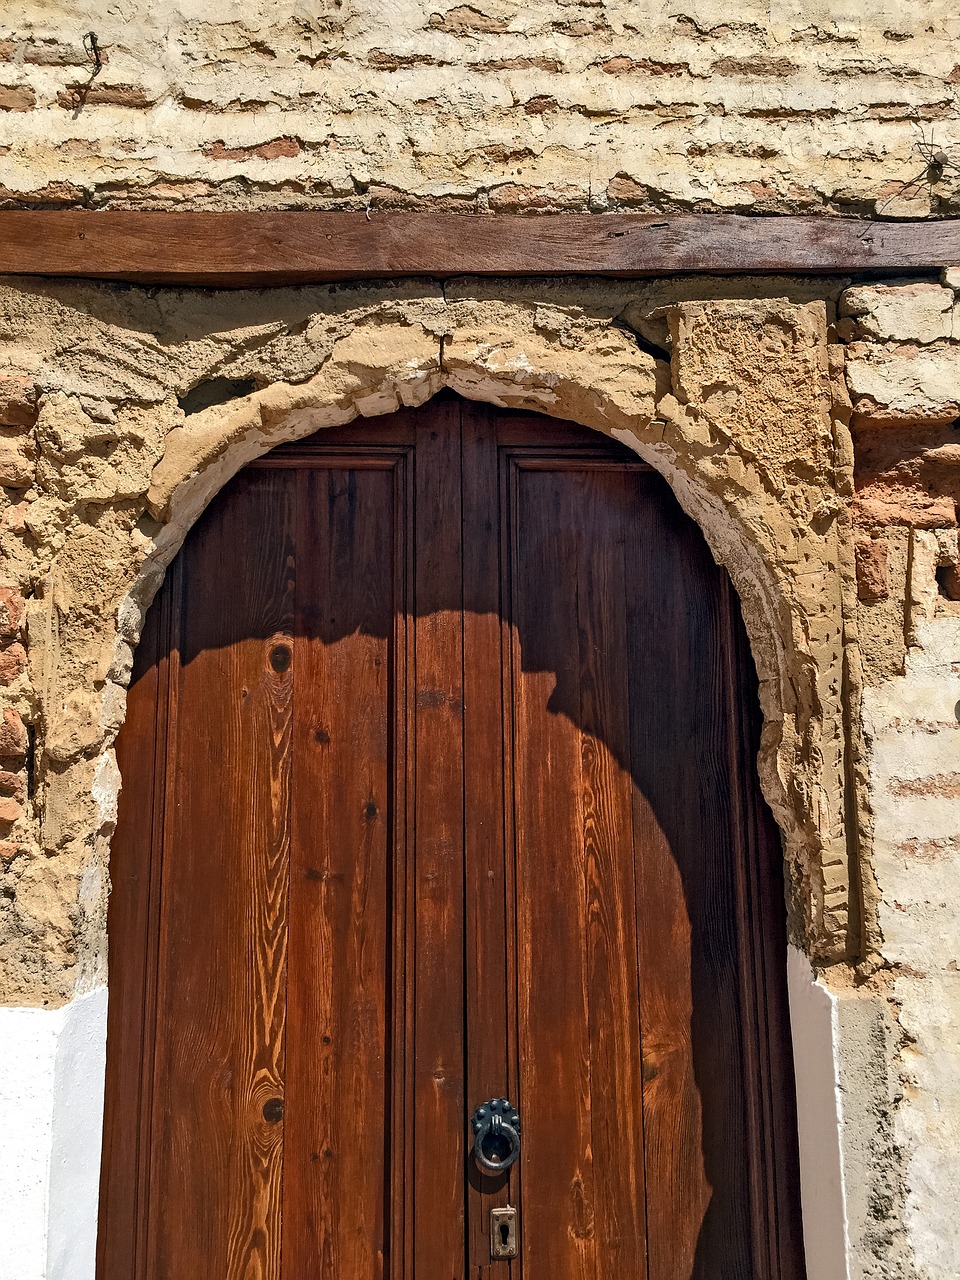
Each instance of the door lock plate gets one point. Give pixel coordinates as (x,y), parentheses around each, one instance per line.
(503,1233)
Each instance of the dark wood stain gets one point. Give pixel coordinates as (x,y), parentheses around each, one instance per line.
(242,249)
(439,785)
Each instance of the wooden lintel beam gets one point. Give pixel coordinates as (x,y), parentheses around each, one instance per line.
(255,249)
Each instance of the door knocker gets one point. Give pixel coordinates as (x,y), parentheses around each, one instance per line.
(496,1135)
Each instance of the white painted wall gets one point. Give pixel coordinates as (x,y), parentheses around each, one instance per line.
(814,1021)
(28,1055)
(51,1118)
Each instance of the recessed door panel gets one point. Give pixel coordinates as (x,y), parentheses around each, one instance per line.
(579,1044)
(630,954)
(338,1033)
(217,1061)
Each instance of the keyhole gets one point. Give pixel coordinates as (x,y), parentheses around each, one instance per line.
(503,1233)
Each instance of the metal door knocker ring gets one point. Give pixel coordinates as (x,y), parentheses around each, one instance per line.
(496,1135)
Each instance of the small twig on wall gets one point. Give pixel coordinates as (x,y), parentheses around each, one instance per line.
(92,46)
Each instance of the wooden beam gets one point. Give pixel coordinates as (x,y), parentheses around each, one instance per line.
(252,249)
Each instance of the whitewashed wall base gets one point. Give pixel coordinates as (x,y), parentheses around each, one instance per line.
(814,1022)
(51,1117)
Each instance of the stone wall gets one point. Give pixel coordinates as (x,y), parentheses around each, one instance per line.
(903,371)
(835,106)
(127,409)
(807,425)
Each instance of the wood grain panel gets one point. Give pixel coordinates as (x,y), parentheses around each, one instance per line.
(491,1021)
(583,999)
(603,506)
(132,928)
(615,582)
(253,1249)
(691,1014)
(767,1064)
(438,1116)
(242,249)
(337,1161)
(553,977)
(221,975)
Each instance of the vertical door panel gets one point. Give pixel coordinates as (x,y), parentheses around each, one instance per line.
(336,1166)
(582,1175)
(491,1008)
(697,1161)
(298,717)
(648,1091)
(134,883)
(436,1123)
(222,914)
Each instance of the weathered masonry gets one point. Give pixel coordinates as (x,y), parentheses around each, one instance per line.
(688,268)
(807,426)
(549,106)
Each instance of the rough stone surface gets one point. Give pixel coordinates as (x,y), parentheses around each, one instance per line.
(739,420)
(905,382)
(841,546)
(12,605)
(17,459)
(792,491)
(873,572)
(13,662)
(903,379)
(18,401)
(921,312)
(907,474)
(550,105)
(13,736)
(881,622)
(903,376)
(912,723)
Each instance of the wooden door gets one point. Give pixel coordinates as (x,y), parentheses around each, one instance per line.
(439,787)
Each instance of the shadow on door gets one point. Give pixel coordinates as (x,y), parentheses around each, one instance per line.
(523,593)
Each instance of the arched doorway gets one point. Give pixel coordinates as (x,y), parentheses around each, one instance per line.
(439,788)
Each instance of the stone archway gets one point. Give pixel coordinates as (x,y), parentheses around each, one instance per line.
(741,426)
(740,416)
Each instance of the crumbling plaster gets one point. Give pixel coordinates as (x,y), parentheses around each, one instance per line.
(912,723)
(737,391)
(907,483)
(740,422)
(816,106)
